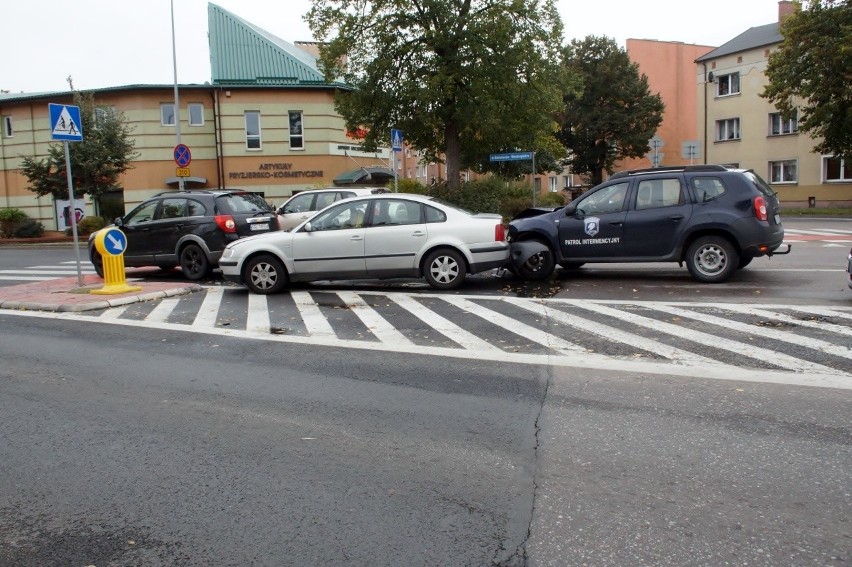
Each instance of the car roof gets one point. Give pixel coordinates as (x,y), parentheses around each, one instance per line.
(356,190)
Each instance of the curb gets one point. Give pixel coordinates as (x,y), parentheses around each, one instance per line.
(71,307)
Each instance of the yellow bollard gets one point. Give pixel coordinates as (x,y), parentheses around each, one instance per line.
(111,243)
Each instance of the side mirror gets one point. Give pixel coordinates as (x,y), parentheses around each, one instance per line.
(308,227)
(570,209)
(118,221)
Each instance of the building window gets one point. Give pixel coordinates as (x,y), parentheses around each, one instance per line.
(7,127)
(196,114)
(728,129)
(297,138)
(779,127)
(837,169)
(786,171)
(102,115)
(553,184)
(252,130)
(728,84)
(167,114)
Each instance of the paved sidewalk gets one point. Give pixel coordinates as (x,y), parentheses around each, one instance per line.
(63,294)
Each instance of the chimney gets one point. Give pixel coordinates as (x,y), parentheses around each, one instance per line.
(785,10)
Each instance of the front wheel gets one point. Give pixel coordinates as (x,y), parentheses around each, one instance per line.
(538,267)
(712,259)
(445,269)
(194,263)
(265,274)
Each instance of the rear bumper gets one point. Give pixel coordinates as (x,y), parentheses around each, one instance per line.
(496,255)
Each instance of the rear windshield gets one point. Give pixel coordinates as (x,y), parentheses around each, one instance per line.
(247,203)
(758,182)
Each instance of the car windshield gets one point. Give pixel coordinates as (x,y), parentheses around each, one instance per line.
(243,203)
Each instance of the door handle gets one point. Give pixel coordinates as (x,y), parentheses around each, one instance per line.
(617,223)
(418,233)
(356,238)
(677,218)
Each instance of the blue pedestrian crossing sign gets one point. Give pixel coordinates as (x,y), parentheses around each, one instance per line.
(65,122)
(396,140)
(114,242)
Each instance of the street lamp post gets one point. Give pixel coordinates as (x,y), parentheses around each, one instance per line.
(177,98)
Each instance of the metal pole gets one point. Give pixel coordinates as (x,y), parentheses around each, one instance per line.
(533,178)
(393,165)
(72,213)
(177,99)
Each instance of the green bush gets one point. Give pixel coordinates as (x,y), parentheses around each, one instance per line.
(10,220)
(30,228)
(88,225)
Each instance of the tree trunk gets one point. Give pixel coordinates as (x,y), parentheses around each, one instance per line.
(453,155)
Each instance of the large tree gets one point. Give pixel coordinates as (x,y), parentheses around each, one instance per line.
(812,72)
(97,161)
(460,78)
(613,115)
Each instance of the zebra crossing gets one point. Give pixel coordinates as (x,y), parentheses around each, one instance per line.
(808,345)
(44,273)
(829,235)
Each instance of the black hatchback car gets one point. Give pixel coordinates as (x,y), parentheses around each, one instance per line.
(189,229)
(713,218)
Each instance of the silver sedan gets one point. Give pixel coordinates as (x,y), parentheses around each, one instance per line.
(372,237)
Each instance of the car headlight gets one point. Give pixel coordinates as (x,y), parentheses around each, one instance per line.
(228,252)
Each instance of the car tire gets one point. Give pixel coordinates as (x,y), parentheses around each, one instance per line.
(712,259)
(194,263)
(98,263)
(538,267)
(445,269)
(265,274)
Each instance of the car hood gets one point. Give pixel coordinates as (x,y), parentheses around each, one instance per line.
(534,212)
(274,237)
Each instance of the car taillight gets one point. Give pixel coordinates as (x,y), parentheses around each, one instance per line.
(226,223)
(499,233)
(760,208)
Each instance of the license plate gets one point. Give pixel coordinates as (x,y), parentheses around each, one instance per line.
(777,219)
(259,226)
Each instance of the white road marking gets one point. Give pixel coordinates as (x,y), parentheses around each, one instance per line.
(257,319)
(209,308)
(315,322)
(377,324)
(164,308)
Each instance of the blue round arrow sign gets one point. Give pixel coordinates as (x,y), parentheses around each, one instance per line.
(115,242)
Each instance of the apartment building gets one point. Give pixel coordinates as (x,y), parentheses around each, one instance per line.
(738,127)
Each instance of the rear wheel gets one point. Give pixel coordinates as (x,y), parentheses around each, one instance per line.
(445,269)
(265,274)
(712,259)
(538,267)
(194,263)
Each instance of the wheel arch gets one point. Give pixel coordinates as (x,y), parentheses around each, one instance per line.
(262,252)
(442,246)
(695,235)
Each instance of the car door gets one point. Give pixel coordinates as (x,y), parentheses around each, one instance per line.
(137,227)
(396,233)
(167,228)
(595,228)
(334,246)
(658,215)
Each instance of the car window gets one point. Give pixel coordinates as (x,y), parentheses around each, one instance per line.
(708,188)
(325,199)
(402,212)
(172,208)
(347,215)
(242,203)
(299,204)
(142,213)
(195,208)
(609,199)
(657,193)
(434,215)
(759,183)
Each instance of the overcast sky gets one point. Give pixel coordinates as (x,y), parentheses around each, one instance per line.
(108,43)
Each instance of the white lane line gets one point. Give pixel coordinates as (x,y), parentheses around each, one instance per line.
(774,334)
(840,330)
(588,361)
(315,322)
(206,317)
(47,272)
(25,279)
(610,332)
(706,339)
(795,231)
(257,319)
(837,230)
(514,326)
(114,312)
(164,308)
(444,326)
(374,322)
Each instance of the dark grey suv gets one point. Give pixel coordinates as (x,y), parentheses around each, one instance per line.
(713,218)
(189,229)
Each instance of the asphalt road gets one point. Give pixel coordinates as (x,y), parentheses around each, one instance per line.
(122,447)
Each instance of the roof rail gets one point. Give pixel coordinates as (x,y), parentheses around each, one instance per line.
(674,168)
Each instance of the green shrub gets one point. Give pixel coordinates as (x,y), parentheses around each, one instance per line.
(88,225)
(10,220)
(30,228)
